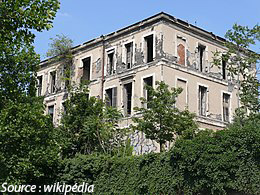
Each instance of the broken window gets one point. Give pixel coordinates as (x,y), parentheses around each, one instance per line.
(129,55)
(111,97)
(127,99)
(51,111)
(201,53)
(181,54)
(224,66)
(53,81)
(149,48)
(39,78)
(147,95)
(202,100)
(86,69)
(226,106)
(110,67)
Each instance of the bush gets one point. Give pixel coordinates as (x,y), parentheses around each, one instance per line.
(212,163)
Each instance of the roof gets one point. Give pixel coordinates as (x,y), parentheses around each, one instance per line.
(160,16)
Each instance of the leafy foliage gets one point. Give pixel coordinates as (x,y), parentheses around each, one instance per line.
(242,65)
(223,162)
(18,60)
(161,120)
(90,125)
(28,143)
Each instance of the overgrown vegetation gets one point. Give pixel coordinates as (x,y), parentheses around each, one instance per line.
(160,119)
(212,163)
(28,144)
(90,126)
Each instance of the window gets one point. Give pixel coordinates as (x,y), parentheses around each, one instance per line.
(86,69)
(110,67)
(111,97)
(181,101)
(64,108)
(51,111)
(39,78)
(53,81)
(226,106)
(202,100)
(201,53)
(181,54)
(149,48)
(147,81)
(129,55)
(224,66)
(127,99)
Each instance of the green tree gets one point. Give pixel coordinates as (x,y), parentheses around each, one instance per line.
(242,65)
(161,120)
(18,60)
(28,146)
(90,126)
(60,50)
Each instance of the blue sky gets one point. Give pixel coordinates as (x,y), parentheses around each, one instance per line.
(82,20)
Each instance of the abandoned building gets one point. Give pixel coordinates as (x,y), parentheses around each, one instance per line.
(159,48)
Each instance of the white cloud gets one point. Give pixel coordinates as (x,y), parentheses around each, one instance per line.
(63,14)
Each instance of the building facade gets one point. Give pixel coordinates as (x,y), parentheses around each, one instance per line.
(159,48)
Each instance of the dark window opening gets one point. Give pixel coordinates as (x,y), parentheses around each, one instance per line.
(110,63)
(224,66)
(53,81)
(39,78)
(149,48)
(129,55)
(51,111)
(147,95)
(86,69)
(201,51)
(111,97)
(226,105)
(202,100)
(128,98)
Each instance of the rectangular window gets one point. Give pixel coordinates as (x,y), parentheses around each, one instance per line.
(226,106)
(53,81)
(39,78)
(86,69)
(129,55)
(127,99)
(201,53)
(147,81)
(51,111)
(64,108)
(149,48)
(181,101)
(224,66)
(202,100)
(111,97)
(110,67)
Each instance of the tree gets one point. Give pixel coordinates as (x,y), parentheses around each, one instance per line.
(161,120)
(18,60)
(90,126)
(28,147)
(242,65)
(60,50)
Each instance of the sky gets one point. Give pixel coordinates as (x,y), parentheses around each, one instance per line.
(83,20)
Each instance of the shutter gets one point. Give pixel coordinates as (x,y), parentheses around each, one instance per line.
(114,97)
